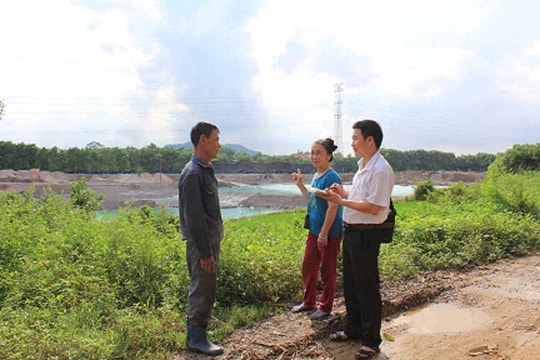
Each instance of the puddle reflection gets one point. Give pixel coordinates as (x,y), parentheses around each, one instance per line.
(443,318)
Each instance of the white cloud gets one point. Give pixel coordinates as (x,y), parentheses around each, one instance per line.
(149,7)
(519,76)
(68,69)
(400,39)
(59,50)
(394,44)
(453,71)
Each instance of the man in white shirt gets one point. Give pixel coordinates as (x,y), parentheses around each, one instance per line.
(365,206)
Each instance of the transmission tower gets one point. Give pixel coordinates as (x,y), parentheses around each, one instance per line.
(338,126)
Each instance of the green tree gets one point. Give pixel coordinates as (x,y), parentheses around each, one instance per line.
(7,155)
(149,159)
(226,155)
(55,160)
(174,160)
(74,162)
(2,107)
(522,158)
(478,162)
(95,145)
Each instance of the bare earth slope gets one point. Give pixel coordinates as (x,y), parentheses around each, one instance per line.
(156,189)
(506,293)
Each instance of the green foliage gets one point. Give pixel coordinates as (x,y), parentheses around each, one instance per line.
(455,194)
(75,286)
(436,160)
(521,158)
(83,198)
(423,189)
(260,258)
(97,158)
(237,316)
(512,181)
(455,233)
(513,193)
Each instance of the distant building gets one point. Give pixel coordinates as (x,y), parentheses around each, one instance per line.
(302,155)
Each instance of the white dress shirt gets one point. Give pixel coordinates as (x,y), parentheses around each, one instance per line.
(372,183)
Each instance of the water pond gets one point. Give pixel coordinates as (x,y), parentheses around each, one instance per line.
(229,212)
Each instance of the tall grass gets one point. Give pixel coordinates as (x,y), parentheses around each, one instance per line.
(76,287)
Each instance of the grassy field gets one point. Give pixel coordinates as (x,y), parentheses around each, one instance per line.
(76,287)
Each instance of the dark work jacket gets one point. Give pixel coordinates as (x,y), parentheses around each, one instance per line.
(198,203)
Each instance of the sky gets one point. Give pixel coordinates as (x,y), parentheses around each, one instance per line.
(456,76)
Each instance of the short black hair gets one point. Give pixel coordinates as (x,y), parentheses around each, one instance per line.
(370,128)
(201,128)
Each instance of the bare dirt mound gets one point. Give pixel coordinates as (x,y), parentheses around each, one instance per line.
(507,292)
(157,188)
(274,201)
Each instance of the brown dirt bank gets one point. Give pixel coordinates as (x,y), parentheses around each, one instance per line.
(155,189)
(402,178)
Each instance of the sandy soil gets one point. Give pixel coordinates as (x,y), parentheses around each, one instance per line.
(499,314)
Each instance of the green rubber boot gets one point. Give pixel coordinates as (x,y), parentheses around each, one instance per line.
(198,342)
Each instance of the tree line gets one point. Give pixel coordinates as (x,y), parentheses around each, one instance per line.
(96,158)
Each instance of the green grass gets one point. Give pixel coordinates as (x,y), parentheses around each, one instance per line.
(74,286)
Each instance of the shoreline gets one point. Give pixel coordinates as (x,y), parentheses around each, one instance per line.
(153,189)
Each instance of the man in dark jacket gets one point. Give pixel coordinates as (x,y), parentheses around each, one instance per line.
(202,227)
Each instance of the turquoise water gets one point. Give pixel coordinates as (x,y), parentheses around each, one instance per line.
(291,189)
(239,212)
(227,213)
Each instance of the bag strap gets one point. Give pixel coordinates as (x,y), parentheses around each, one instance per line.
(392,208)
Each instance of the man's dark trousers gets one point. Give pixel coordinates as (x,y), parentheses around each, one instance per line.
(202,289)
(361,285)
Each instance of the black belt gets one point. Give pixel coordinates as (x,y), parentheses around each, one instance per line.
(367,226)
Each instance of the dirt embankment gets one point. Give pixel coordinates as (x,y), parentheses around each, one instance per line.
(156,189)
(402,178)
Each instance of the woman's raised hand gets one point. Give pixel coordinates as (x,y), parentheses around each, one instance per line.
(297,177)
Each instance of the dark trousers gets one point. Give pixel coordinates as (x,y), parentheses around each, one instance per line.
(361,285)
(202,287)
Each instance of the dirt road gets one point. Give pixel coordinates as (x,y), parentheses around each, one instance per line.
(496,316)
(489,313)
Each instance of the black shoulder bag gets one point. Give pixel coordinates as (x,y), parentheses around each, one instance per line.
(387,227)
(306,222)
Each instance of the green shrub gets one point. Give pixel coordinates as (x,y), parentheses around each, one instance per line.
(83,198)
(423,189)
(261,259)
(73,285)
(455,194)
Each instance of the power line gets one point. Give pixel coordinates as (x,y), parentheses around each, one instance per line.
(338,126)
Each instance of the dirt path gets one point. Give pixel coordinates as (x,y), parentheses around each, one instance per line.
(491,312)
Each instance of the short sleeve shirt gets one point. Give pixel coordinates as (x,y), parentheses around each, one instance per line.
(372,183)
(317,207)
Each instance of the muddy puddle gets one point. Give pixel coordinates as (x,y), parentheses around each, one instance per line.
(443,318)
